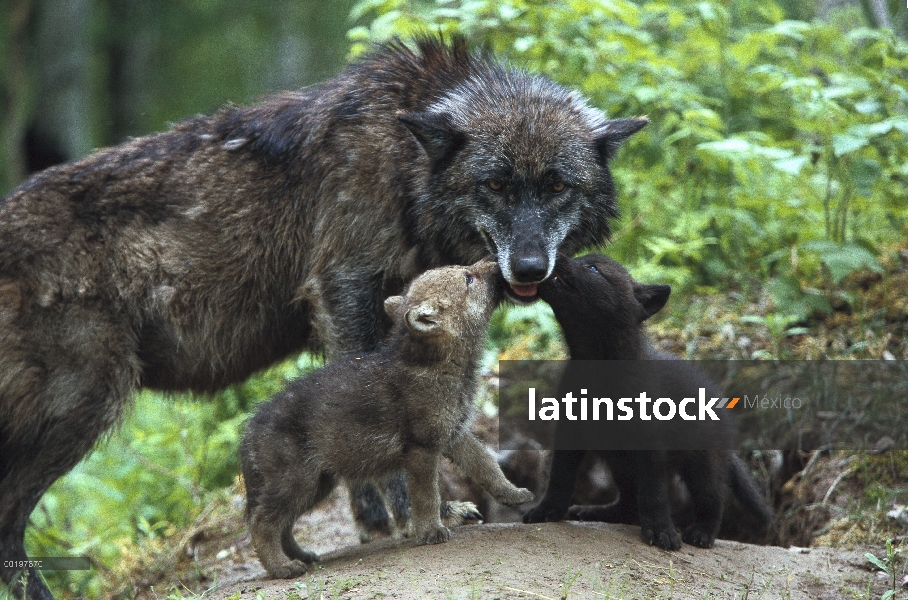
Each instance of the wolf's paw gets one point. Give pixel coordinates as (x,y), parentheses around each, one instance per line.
(696,535)
(543,512)
(301,555)
(435,535)
(288,570)
(403,527)
(664,537)
(455,514)
(514,496)
(580,513)
(373,527)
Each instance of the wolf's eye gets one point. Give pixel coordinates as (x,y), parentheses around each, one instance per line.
(469,278)
(495,185)
(594,269)
(558,187)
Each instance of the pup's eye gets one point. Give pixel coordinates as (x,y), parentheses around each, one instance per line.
(469,278)
(495,185)
(558,187)
(593,269)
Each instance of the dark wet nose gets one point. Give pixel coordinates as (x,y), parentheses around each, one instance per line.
(529,269)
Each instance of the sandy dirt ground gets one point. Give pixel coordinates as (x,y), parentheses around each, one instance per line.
(549,560)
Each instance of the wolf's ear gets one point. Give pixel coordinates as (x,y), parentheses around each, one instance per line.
(611,135)
(423,319)
(393,306)
(434,134)
(651,298)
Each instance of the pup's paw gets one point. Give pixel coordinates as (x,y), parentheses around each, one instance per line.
(664,537)
(696,535)
(372,526)
(543,512)
(594,513)
(302,555)
(580,513)
(288,570)
(455,514)
(403,526)
(435,535)
(515,496)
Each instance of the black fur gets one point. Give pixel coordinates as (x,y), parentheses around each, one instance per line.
(601,310)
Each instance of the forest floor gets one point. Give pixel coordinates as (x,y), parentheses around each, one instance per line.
(508,560)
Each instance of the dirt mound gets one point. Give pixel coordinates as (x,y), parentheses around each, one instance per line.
(564,560)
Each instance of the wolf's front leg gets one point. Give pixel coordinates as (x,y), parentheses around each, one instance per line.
(478,464)
(421,466)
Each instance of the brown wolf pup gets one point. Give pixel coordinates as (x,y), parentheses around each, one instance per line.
(366,417)
(189,259)
(601,310)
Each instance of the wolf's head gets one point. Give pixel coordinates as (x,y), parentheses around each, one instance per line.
(518,167)
(600,294)
(449,308)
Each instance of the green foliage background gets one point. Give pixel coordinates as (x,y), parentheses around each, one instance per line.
(775,159)
(770,137)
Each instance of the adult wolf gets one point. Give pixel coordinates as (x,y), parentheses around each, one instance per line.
(187,260)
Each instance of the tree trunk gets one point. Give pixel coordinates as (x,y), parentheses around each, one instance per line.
(14,94)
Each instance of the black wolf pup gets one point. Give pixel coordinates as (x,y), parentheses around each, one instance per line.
(365,418)
(601,310)
(189,259)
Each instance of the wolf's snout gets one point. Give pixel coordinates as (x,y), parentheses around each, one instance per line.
(529,269)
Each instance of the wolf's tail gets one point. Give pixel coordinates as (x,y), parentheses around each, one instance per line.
(748,492)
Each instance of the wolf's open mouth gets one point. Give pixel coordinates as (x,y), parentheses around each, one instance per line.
(525,291)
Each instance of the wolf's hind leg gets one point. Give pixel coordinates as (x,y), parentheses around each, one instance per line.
(63,382)
(278,504)
(397,495)
(326,483)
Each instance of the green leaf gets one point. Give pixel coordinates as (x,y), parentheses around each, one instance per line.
(843,143)
(792,166)
(791,29)
(794,301)
(865,173)
(869,106)
(843,259)
(876,561)
(726,147)
(873,129)
(900,123)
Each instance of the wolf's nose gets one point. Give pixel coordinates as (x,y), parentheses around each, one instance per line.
(529,269)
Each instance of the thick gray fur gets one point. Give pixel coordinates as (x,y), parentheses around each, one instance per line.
(367,417)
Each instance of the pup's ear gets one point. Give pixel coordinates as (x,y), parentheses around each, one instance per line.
(423,319)
(614,132)
(393,306)
(651,298)
(435,135)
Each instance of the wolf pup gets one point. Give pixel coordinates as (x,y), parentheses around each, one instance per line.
(364,418)
(189,259)
(601,310)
